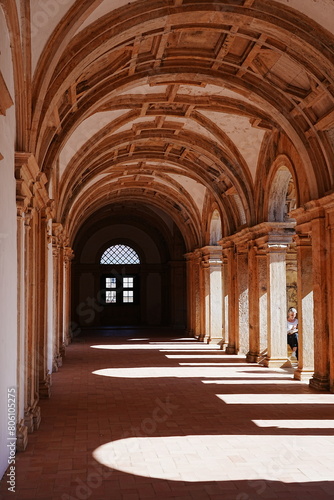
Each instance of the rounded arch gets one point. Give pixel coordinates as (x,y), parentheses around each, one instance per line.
(215,227)
(281,193)
(183,213)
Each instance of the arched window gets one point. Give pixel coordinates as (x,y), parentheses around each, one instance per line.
(120,254)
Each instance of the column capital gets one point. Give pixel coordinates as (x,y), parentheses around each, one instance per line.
(193,256)
(30,182)
(212,256)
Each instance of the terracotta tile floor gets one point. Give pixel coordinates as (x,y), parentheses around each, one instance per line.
(174,418)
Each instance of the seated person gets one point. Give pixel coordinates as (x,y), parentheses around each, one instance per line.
(292,327)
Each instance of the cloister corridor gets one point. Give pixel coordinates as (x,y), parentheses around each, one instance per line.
(140,414)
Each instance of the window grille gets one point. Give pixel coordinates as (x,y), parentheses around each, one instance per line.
(120,254)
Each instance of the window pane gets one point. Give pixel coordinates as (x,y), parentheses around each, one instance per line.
(128,296)
(128,282)
(110,297)
(120,254)
(110,282)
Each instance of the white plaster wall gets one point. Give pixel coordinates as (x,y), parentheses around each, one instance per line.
(8,251)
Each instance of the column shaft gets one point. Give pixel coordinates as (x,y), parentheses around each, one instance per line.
(305,309)
(320,378)
(242,301)
(254,310)
(277,313)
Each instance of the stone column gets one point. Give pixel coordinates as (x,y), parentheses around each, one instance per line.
(57,359)
(202,299)
(254,309)
(192,293)
(212,269)
(305,308)
(68,256)
(197,290)
(262,268)
(32,416)
(44,375)
(320,378)
(277,313)
(50,302)
(29,330)
(230,287)
(22,429)
(242,300)
(205,301)
(60,310)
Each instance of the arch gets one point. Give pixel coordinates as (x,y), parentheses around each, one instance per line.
(281,192)
(215,228)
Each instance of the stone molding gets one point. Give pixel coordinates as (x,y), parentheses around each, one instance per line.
(31,185)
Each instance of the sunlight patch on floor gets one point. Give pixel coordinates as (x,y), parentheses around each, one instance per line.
(293,399)
(156,347)
(211,457)
(164,372)
(258,381)
(296,424)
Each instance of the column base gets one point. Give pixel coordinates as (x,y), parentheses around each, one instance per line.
(319,383)
(57,363)
(21,436)
(230,349)
(303,375)
(276,362)
(252,357)
(29,420)
(36,417)
(45,387)
(62,350)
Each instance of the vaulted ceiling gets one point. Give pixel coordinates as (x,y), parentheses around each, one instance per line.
(180,105)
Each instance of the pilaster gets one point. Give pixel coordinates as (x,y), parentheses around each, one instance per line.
(254,316)
(213,299)
(68,257)
(192,263)
(57,230)
(242,298)
(230,295)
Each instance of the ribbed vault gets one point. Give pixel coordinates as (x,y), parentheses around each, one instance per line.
(170,102)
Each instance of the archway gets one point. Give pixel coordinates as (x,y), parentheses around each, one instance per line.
(144,285)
